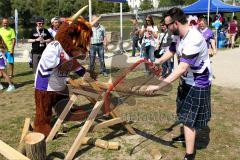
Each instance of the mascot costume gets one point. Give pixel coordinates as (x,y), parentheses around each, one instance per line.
(58,59)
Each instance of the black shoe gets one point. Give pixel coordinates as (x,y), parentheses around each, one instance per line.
(30,65)
(180,138)
(189,156)
(105,74)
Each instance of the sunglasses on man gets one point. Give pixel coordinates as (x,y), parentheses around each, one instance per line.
(168,24)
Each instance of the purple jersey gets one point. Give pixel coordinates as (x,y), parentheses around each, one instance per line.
(48,76)
(192,49)
(208,36)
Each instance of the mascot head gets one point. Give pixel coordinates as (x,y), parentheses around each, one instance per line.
(74,35)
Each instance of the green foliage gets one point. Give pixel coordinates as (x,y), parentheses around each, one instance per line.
(5,6)
(146,4)
(26,9)
(175,2)
(29,9)
(187,2)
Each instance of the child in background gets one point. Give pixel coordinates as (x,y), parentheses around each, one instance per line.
(3,66)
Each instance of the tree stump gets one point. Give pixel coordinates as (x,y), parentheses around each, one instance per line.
(35,146)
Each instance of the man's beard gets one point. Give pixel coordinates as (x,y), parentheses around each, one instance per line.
(175,32)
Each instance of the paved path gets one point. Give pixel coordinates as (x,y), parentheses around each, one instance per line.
(226,68)
(226,64)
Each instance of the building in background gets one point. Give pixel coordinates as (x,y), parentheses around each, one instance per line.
(137,3)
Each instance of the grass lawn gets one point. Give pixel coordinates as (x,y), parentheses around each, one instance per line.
(150,116)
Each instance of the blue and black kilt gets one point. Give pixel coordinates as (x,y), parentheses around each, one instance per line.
(194,105)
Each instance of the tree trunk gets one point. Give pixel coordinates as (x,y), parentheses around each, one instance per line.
(35,146)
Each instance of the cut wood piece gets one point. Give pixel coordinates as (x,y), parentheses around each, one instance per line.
(156,154)
(86,93)
(25,130)
(115,114)
(86,140)
(107,145)
(113,145)
(10,153)
(93,101)
(84,130)
(35,146)
(101,143)
(61,118)
(107,123)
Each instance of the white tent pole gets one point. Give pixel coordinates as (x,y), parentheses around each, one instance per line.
(90,10)
(16,24)
(121,31)
(217,32)
(209,3)
(234,4)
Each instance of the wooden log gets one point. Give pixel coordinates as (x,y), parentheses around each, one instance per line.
(86,93)
(115,114)
(78,141)
(101,143)
(61,118)
(25,130)
(107,123)
(35,146)
(10,153)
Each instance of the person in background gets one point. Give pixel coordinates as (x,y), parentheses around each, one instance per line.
(98,43)
(232,31)
(209,36)
(193,21)
(3,48)
(165,40)
(149,32)
(55,23)
(135,37)
(39,37)
(8,35)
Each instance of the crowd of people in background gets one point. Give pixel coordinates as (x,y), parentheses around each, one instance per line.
(153,43)
(147,41)
(40,36)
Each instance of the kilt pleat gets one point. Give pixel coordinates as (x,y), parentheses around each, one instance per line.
(194,105)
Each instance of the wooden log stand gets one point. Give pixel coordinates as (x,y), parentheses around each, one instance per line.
(97,99)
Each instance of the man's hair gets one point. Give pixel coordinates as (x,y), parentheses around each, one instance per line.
(151,20)
(203,20)
(234,17)
(4,18)
(177,15)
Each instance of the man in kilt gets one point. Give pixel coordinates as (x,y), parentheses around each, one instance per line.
(194,71)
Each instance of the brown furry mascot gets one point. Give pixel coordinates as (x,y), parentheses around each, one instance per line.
(58,59)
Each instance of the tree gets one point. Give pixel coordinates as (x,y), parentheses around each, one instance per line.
(175,2)
(50,9)
(5,10)
(187,2)
(146,4)
(125,7)
(26,10)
